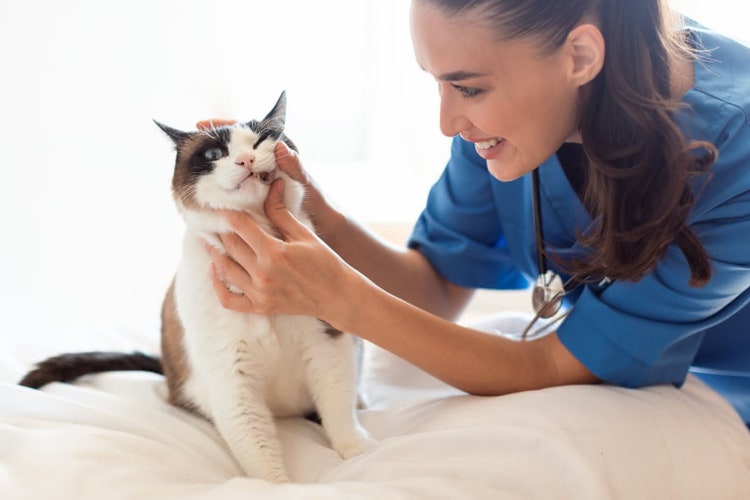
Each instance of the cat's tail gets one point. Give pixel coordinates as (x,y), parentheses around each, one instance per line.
(69,367)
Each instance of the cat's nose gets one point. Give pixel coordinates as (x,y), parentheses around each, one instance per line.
(245,160)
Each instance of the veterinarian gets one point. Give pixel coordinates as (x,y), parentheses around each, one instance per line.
(599,155)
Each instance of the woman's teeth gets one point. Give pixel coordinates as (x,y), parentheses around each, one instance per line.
(487,144)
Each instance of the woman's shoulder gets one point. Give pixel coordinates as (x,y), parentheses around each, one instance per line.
(719,112)
(722,70)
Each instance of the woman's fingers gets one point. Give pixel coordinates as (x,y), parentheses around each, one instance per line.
(227,298)
(227,267)
(247,229)
(287,159)
(281,217)
(214,123)
(231,280)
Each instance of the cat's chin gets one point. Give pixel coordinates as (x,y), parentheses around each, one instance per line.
(246,195)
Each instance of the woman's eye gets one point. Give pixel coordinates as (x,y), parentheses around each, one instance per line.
(467,92)
(213,154)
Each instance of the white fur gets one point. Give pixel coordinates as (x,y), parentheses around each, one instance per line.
(248,368)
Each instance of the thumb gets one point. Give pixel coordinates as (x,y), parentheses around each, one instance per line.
(279,214)
(288,161)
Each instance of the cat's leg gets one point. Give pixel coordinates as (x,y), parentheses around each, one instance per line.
(332,379)
(241,414)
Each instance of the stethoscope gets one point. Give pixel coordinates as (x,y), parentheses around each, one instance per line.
(549,290)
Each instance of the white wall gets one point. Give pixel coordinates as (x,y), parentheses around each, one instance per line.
(89,233)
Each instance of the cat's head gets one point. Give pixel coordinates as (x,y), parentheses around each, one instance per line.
(231,167)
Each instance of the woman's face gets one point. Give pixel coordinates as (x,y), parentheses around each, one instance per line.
(516,105)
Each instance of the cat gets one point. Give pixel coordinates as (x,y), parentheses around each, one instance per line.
(239,370)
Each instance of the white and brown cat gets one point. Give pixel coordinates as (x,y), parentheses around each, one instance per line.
(237,369)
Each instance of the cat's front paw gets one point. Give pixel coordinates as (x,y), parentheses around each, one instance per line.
(278,477)
(356,446)
(267,473)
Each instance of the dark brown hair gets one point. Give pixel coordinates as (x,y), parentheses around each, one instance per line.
(640,167)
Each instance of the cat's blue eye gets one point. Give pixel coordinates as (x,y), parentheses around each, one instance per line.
(213,154)
(467,92)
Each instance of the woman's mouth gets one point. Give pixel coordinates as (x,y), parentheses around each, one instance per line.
(488,148)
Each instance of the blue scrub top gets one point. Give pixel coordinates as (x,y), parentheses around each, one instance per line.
(478,232)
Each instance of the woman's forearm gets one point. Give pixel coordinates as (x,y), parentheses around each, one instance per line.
(473,361)
(402,272)
(398,270)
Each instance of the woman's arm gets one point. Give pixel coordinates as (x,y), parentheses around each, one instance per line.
(403,272)
(474,361)
(300,274)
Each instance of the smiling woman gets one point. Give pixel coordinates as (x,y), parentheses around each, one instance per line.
(506,90)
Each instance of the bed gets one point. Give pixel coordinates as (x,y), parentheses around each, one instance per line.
(114,436)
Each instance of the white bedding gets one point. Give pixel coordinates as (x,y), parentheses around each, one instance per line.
(114,436)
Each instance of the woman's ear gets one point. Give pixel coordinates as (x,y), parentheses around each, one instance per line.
(586,49)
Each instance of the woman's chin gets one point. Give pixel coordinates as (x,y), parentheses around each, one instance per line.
(504,171)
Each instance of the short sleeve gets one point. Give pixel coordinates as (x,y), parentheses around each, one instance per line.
(460,231)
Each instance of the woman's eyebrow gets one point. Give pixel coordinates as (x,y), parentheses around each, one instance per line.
(455,76)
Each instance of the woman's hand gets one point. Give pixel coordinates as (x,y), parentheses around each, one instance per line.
(294,274)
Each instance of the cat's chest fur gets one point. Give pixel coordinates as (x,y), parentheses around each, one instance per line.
(215,339)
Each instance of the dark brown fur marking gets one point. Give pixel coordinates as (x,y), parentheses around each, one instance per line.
(68,367)
(183,180)
(174,357)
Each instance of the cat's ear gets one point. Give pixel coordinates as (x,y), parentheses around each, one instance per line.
(177,136)
(277,116)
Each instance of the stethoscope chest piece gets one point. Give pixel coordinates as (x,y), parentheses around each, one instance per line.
(548,293)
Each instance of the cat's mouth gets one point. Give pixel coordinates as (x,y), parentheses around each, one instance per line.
(262,177)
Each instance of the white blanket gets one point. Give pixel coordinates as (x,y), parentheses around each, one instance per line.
(114,436)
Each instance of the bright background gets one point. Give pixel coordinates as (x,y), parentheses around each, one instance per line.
(89,233)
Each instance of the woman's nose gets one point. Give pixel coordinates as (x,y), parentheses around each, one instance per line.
(245,160)
(452,121)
